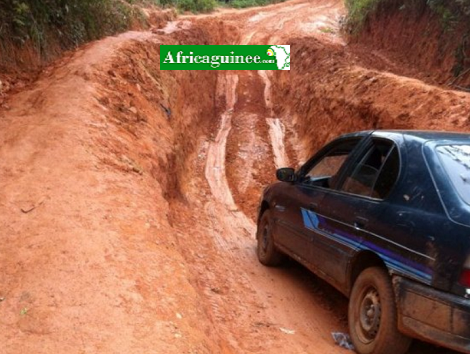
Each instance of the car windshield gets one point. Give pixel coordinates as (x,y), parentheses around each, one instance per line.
(456,162)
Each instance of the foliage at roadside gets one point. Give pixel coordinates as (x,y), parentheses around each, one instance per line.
(453,30)
(33,32)
(359,11)
(449,11)
(194,5)
(239,4)
(69,23)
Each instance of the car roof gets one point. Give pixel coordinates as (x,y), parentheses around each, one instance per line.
(421,135)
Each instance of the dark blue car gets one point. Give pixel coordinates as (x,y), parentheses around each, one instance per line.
(384,217)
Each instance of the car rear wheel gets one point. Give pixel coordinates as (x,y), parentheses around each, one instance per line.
(266,251)
(373,315)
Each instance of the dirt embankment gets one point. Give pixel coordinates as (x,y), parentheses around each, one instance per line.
(435,43)
(91,157)
(23,59)
(334,86)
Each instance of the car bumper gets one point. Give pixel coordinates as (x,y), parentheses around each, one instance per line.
(434,316)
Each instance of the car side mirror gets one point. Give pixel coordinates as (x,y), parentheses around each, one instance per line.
(286,175)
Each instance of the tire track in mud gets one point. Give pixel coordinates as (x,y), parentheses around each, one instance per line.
(327,17)
(231,232)
(276,126)
(276,133)
(215,164)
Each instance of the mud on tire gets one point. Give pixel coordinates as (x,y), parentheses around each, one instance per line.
(372,315)
(266,251)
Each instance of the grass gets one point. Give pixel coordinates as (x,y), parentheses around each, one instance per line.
(70,22)
(450,12)
(196,6)
(33,32)
(359,11)
(240,4)
(448,15)
(453,15)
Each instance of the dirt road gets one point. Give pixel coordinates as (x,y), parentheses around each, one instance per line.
(128,200)
(265,319)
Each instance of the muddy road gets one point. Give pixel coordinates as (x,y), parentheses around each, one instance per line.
(129,196)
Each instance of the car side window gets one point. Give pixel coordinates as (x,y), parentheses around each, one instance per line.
(324,172)
(327,167)
(389,175)
(376,173)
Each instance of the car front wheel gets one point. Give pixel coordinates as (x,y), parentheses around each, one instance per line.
(266,251)
(373,315)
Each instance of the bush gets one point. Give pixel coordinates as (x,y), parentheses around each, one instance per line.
(462,6)
(71,21)
(449,11)
(196,5)
(359,11)
(250,3)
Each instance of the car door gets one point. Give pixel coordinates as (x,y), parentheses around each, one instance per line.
(299,200)
(347,212)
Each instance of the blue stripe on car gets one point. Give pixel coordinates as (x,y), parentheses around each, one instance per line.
(318,223)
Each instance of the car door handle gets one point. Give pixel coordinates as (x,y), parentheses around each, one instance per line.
(360,223)
(312,206)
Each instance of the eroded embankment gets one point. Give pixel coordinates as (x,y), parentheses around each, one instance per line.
(329,91)
(90,159)
(429,37)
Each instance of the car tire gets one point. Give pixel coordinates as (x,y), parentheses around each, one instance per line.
(372,315)
(267,252)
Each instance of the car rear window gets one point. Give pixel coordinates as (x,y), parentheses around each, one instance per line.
(456,162)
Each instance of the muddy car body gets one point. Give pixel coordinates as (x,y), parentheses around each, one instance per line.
(384,217)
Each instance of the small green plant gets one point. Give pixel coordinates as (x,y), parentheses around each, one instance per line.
(359,12)
(327,30)
(447,16)
(24,311)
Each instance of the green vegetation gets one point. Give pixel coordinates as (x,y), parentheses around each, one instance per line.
(359,11)
(49,27)
(73,21)
(65,23)
(449,16)
(24,311)
(456,8)
(195,5)
(327,30)
(453,15)
(239,4)
(68,23)
(450,12)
